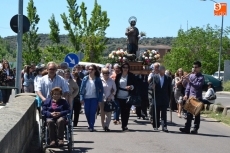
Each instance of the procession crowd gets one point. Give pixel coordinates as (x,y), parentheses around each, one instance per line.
(61,91)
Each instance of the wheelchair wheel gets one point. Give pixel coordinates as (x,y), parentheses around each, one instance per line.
(70,144)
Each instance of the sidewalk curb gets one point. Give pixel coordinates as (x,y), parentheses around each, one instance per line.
(223,92)
(203,115)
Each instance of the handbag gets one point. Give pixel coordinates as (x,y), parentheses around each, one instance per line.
(212,97)
(134,100)
(110,106)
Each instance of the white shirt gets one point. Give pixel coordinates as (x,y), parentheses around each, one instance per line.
(209,92)
(109,86)
(123,83)
(162,78)
(36,82)
(45,85)
(7,72)
(90,89)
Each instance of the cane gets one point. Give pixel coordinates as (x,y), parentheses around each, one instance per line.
(154,102)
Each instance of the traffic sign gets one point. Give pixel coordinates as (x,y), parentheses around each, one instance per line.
(72,59)
(14,24)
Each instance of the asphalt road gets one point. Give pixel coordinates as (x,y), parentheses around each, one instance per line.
(223,98)
(213,137)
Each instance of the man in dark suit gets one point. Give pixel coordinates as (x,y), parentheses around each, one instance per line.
(162,87)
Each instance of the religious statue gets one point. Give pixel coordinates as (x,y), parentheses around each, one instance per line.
(132,34)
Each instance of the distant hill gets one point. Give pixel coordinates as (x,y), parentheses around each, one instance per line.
(112,44)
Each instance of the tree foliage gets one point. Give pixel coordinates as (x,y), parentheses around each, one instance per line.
(197,44)
(86,35)
(71,24)
(54,30)
(31,40)
(94,39)
(55,51)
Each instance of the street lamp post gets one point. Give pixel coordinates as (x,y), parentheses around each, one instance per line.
(221,38)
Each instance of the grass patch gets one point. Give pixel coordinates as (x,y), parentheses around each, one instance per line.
(217,116)
(226,86)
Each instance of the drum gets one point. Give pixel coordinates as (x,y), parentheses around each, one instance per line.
(193,106)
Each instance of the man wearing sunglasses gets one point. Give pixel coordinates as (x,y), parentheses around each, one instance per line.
(193,89)
(51,80)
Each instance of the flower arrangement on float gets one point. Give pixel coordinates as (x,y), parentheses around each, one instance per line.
(150,56)
(118,56)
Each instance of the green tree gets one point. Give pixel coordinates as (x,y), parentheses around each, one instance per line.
(6,52)
(54,30)
(55,51)
(72,24)
(197,44)
(93,37)
(31,40)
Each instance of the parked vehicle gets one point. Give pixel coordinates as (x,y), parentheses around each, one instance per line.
(215,82)
(215,75)
(89,63)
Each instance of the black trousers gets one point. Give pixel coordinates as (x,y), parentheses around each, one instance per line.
(125,112)
(197,118)
(6,95)
(76,109)
(159,110)
(189,121)
(141,111)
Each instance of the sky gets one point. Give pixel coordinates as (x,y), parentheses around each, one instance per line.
(157,18)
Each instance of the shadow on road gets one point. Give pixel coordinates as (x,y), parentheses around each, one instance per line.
(75,150)
(201,134)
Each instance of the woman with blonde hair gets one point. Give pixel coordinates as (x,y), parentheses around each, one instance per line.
(108,95)
(178,91)
(73,87)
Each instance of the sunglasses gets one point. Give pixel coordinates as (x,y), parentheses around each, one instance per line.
(106,73)
(52,69)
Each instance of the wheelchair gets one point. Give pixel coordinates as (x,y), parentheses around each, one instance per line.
(44,140)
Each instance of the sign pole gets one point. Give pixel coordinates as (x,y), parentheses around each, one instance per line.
(19,47)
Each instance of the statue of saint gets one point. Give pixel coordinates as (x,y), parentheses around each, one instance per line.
(133,36)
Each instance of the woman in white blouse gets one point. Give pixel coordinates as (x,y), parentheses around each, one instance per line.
(108,95)
(209,92)
(125,83)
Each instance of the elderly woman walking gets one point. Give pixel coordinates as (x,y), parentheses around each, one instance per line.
(109,92)
(73,87)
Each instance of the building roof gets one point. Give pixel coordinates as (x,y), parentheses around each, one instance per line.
(155,47)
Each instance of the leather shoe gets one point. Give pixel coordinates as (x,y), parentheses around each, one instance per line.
(164,129)
(125,129)
(52,144)
(194,131)
(60,143)
(184,130)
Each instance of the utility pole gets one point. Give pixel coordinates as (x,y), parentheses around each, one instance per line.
(19,47)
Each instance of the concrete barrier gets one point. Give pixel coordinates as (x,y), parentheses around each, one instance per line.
(17,123)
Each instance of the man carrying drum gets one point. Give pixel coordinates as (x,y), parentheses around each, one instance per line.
(193,89)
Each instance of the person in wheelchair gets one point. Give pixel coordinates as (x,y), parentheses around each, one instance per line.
(55,110)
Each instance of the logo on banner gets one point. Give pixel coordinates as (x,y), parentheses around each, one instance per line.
(220,9)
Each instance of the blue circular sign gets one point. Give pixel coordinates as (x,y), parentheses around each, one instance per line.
(72,59)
